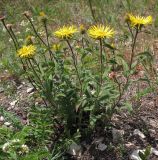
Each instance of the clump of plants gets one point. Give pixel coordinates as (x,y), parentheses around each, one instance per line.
(82,76)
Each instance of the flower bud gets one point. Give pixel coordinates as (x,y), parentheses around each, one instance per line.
(27,14)
(112,75)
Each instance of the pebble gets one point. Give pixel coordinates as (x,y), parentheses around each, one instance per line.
(102,147)
(117,135)
(7,124)
(139,133)
(29,90)
(74,149)
(1,119)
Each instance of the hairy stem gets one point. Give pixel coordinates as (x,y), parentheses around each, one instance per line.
(75,63)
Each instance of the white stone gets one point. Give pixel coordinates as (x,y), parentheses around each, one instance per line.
(1,118)
(154,151)
(29,90)
(74,149)
(7,124)
(13,103)
(102,147)
(139,133)
(117,135)
(135,155)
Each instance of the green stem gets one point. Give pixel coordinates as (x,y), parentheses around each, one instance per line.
(75,63)
(91,9)
(101,62)
(34,71)
(133,47)
(47,36)
(10,35)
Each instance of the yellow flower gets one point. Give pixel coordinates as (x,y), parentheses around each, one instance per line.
(42,14)
(65,32)
(26,51)
(139,21)
(100,32)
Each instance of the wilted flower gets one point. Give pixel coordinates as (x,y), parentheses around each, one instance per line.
(2,18)
(139,21)
(27,14)
(112,75)
(65,32)
(27,51)
(100,32)
(9,26)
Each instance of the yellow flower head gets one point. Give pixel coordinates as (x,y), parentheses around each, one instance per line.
(26,51)
(139,21)
(65,32)
(42,14)
(100,32)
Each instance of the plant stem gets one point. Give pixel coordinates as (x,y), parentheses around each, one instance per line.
(75,63)
(133,47)
(47,36)
(101,62)
(10,35)
(91,9)
(35,72)
(34,29)
(14,36)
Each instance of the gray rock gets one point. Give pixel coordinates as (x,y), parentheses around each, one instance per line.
(135,155)
(102,147)
(74,149)
(154,151)
(139,133)
(98,140)
(117,135)
(1,89)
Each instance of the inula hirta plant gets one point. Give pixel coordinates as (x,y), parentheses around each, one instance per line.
(67,78)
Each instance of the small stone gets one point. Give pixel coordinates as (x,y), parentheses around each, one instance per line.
(98,140)
(1,89)
(1,119)
(7,124)
(13,103)
(19,87)
(29,90)
(102,147)
(117,135)
(135,155)
(139,133)
(74,149)
(154,151)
